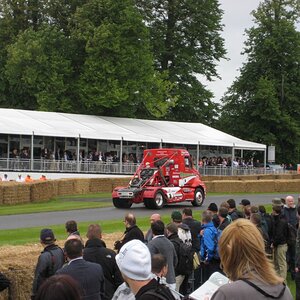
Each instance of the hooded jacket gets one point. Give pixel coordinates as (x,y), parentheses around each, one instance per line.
(208,242)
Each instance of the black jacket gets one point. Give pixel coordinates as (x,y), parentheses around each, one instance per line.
(224,224)
(195,227)
(176,243)
(153,285)
(89,277)
(50,260)
(131,233)
(280,231)
(96,252)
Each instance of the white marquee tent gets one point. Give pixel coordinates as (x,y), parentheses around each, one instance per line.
(25,122)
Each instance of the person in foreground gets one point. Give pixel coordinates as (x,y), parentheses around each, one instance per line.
(244,261)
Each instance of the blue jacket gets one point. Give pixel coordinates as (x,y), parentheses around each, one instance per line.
(208,242)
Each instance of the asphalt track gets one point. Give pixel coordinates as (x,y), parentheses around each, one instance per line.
(111,213)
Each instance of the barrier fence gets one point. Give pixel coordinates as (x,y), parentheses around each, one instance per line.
(95,167)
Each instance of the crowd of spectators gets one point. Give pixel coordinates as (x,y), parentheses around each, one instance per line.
(20,178)
(256,250)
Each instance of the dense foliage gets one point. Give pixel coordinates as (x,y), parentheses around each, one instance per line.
(263,104)
(110,57)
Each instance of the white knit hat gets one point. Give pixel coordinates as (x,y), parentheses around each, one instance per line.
(134,260)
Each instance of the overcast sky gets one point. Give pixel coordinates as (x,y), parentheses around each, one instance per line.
(236,19)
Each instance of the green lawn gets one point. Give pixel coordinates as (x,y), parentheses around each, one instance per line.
(58,204)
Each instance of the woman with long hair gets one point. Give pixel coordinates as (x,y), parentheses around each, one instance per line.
(244,261)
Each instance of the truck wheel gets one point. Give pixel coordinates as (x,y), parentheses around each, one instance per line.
(121,203)
(198,197)
(159,200)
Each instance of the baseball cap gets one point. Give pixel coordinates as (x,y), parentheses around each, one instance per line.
(212,207)
(47,236)
(276,201)
(134,260)
(176,215)
(245,202)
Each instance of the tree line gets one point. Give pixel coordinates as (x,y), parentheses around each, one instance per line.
(145,58)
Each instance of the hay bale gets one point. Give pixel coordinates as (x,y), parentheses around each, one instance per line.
(101,185)
(82,185)
(43,191)
(16,193)
(65,187)
(230,186)
(1,194)
(287,185)
(259,186)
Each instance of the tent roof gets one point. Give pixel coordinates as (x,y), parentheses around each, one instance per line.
(25,122)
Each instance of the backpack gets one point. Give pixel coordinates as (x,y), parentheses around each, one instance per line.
(185,263)
(161,292)
(51,271)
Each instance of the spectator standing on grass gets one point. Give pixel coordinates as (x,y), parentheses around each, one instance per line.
(88,275)
(132,232)
(213,208)
(184,232)
(297,262)
(161,244)
(290,215)
(232,211)
(172,232)
(279,242)
(134,262)
(72,229)
(50,260)
(96,252)
(149,234)
(244,261)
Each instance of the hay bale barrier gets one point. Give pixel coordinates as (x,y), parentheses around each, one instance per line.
(20,269)
(41,191)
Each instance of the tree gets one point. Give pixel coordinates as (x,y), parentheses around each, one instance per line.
(117,76)
(263,104)
(38,70)
(186,41)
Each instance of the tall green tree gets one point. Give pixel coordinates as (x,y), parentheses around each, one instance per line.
(117,76)
(38,70)
(186,41)
(263,104)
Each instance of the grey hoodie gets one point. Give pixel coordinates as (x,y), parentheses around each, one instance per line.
(241,290)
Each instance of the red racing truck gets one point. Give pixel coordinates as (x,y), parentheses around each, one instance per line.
(165,176)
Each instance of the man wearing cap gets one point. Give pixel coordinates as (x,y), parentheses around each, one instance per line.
(50,260)
(213,208)
(134,262)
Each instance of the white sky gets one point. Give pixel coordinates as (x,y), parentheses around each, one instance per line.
(236,19)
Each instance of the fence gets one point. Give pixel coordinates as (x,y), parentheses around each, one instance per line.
(88,166)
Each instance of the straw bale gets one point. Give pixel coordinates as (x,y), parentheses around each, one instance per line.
(82,185)
(1,193)
(14,193)
(287,185)
(43,191)
(259,186)
(101,185)
(65,187)
(20,269)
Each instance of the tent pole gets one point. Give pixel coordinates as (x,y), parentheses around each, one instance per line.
(198,155)
(232,158)
(121,154)
(78,153)
(31,152)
